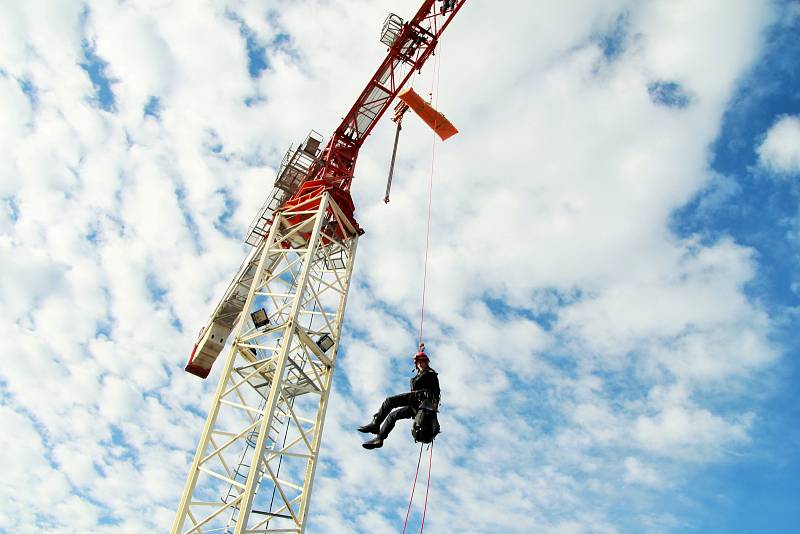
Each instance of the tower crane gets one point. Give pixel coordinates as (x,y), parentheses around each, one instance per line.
(254,466)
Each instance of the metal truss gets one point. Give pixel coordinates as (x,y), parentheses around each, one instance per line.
(254,466)
(410,44)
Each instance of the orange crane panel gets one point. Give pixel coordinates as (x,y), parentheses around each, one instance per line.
(438,122)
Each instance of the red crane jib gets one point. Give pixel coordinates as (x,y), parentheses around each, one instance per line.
(412,43)
(415,42)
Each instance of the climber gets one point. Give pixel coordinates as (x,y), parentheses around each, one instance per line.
(424,393)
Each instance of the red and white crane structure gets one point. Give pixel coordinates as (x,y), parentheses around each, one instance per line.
(254,466)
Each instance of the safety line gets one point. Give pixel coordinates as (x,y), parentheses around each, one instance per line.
(433,95)
(413,487)
(427,489)
(427,247)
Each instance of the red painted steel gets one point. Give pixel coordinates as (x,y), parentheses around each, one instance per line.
(194,368)
(333,171)
(413,46)
(307,200)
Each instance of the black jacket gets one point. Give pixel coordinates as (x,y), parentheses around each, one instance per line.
(426,381)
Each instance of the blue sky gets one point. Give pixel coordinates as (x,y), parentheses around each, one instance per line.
(612,293)
(761,490)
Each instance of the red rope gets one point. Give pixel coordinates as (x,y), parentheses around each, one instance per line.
(434,94)
(427,489)
(427,246)
(434,83)
(413,487)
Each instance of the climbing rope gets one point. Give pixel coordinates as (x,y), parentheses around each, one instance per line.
(413,487)
(428,487)
(433,94)
(427,247)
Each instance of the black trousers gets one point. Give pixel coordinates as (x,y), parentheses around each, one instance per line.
(394,408)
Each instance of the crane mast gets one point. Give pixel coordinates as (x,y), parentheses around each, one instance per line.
(254,466)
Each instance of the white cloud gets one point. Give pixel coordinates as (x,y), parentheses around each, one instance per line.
(780,150)
(685,432)
(26,464)
(578,341)
(638,473)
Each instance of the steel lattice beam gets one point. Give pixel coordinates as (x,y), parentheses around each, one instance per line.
(254,466)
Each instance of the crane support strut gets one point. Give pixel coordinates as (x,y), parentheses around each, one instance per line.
(263,432)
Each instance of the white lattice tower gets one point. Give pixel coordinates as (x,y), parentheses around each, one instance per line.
(255,463)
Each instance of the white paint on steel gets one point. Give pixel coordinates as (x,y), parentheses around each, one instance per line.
(268,411)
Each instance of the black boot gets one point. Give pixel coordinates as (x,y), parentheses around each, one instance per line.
(375,443)
(370,428)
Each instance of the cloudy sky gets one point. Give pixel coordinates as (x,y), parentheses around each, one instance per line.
(613,299)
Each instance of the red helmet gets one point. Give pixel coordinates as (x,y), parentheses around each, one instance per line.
(421,356)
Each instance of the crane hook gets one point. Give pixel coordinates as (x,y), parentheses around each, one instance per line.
(399,111)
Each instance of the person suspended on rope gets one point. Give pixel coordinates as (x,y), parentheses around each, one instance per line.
(420,403)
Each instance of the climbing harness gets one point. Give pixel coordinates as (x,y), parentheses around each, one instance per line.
(426,424)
